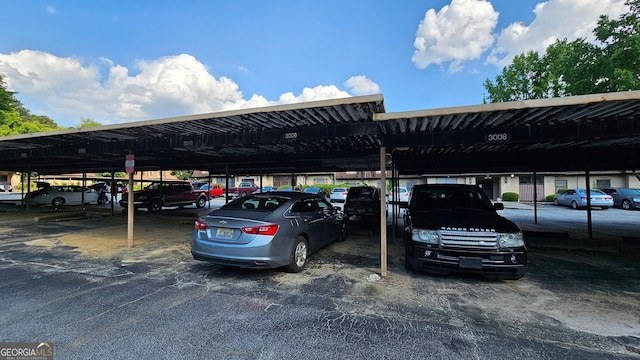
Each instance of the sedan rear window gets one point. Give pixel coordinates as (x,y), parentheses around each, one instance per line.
(256,203)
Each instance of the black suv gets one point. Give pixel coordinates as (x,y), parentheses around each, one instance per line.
(362,201)
(455,228)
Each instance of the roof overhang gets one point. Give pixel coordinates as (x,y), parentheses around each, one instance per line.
(590,132)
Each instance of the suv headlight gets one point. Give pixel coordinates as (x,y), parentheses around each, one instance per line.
(511,240)
(424,236)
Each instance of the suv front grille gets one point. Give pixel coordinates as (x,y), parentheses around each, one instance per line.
(468,239)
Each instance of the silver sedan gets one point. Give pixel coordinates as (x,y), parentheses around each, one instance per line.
(269,230)
(577,198)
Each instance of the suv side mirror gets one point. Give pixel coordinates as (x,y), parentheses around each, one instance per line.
(498,206)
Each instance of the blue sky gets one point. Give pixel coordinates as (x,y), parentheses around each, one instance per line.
(122,61)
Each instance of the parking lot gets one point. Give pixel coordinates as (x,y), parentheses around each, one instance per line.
(76,284)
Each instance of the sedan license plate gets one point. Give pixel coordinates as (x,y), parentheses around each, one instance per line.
(470,263)
(224,233)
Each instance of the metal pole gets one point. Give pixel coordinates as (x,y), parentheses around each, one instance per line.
(535,198)
(130,210)
(588,188)
(383,212)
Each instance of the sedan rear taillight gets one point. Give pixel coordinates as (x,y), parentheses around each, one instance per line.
(199,225)
(271,229)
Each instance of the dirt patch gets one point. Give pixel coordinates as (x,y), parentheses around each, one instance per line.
(112,240)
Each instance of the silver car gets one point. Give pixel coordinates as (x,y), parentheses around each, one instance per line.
(269,230)
(577,198)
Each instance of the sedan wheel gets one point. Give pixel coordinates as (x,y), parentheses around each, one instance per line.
(343,232)
(59,201)
(574,204)
(626,204)
(555,201)
(298,257)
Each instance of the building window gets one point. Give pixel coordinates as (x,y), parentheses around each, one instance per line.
(529,180)
(603,184)
(561,184)
(319,181)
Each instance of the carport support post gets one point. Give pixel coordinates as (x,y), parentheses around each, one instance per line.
(130,211)
(383,211)
(588,188)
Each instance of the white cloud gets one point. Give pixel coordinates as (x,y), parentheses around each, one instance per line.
(67,90)
(51,9)
(360,85)
(555,19)
(317,93)
(458,32)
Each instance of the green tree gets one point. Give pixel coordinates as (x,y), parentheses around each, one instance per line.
(182,174)
(576,67)
(526,78)
(8,102)
(16,119)
(84,123)
(621,49)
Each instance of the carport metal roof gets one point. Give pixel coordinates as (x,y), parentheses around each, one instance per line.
(595,132)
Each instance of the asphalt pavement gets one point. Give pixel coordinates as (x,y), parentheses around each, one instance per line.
(94,299)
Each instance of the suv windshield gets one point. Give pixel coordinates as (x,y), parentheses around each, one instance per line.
(435,198)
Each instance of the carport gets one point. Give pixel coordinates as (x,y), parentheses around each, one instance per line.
(593,132)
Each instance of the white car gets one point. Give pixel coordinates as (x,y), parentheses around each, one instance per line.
(62,195)
(403,195)
(338,194)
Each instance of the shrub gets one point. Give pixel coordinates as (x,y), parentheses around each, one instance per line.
(550,198)
(510,196)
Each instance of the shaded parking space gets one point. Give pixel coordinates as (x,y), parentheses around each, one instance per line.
(75,283)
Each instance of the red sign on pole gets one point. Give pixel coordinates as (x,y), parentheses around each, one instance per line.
(129,164)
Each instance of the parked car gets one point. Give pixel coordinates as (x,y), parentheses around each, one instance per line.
(62,195)
(577,198)
(270,230)
(215,190)
(403,195)
(455,228)
(5,186)
(171,193)
(338,194)
(625,198)
(316,190)
(362,201)
(265,189)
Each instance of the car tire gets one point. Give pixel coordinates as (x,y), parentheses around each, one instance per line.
(626,204)
(574,204)
(298,256)
(343,232)
(556,202)
(59,201)
(201,202)
(155,205)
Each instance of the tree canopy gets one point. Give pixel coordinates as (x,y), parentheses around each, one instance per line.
(576,67)
(16,119)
